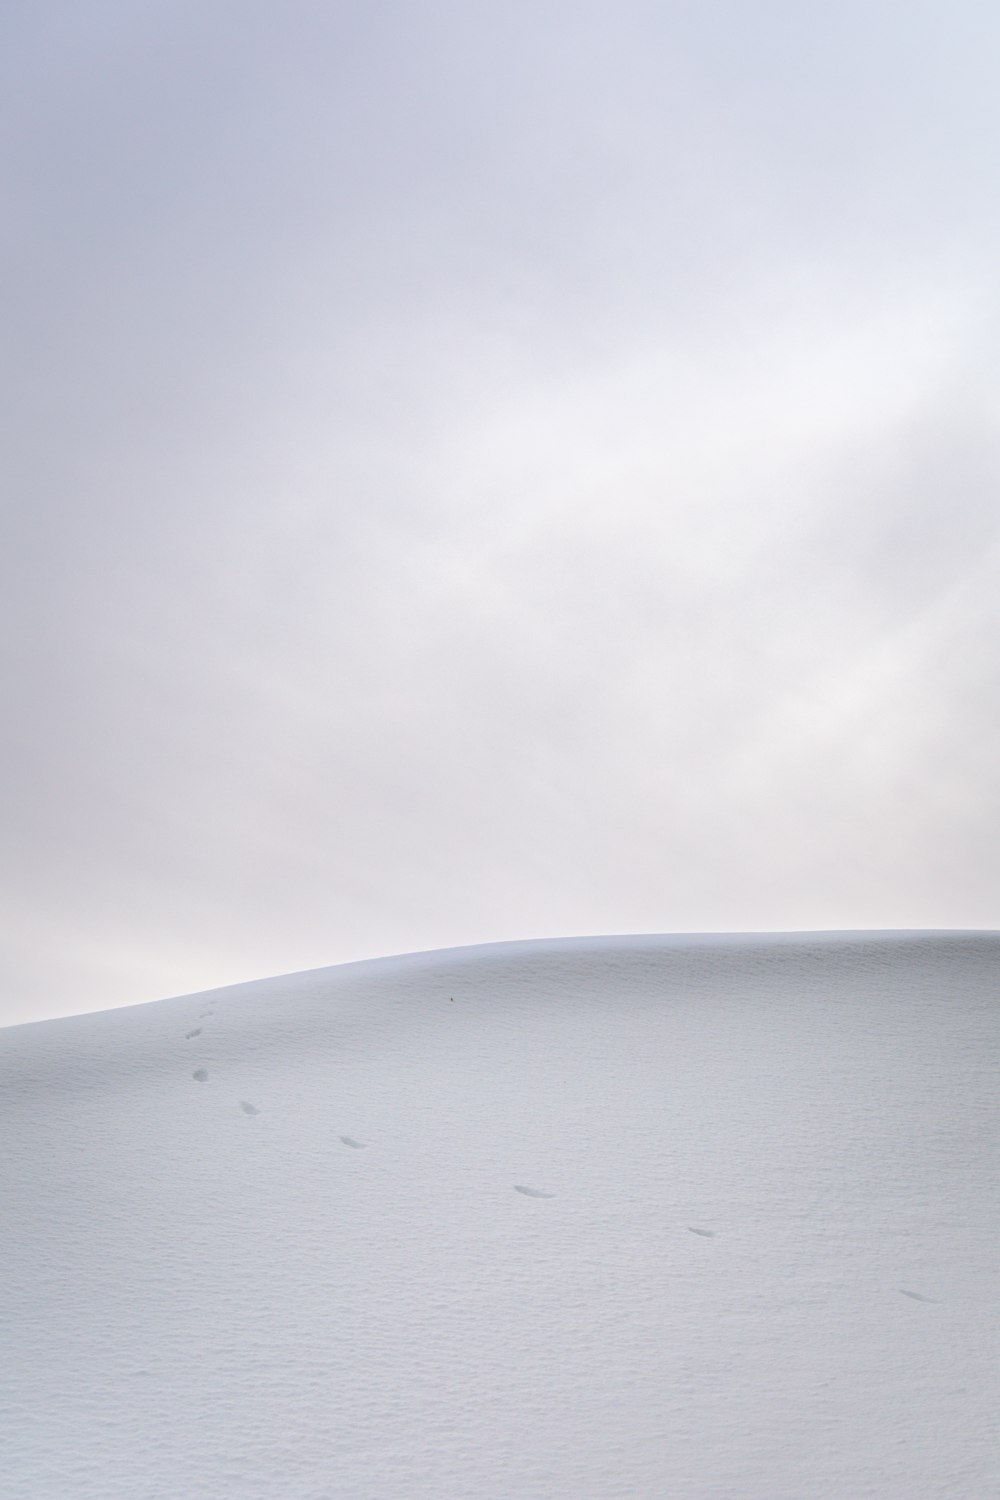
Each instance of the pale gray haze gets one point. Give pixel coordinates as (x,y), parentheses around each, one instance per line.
(481,471)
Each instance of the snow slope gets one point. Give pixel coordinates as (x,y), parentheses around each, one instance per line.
(644,1217)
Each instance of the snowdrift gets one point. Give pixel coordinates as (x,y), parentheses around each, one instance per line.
(646,1217)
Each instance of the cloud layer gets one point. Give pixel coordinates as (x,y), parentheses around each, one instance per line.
(483,472)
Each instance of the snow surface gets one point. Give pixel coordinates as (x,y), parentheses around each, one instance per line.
(644,1217)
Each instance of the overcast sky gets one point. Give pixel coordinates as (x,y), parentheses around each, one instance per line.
(492,470)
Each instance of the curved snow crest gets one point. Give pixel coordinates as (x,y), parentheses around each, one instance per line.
(608,944)
(575,1218)
(611,946)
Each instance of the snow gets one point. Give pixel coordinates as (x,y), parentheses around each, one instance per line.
(639,1217)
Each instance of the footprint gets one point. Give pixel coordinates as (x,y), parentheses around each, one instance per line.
(708,1234)
(200,1075)
(248,1109)
(349,1141)
(917,1296)
(530,1192)
(189,1034)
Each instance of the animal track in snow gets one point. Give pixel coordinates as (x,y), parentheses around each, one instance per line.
(349,1141)
(530,1192)
(248,1108)
(916,1296)
(200,1075)
(708,1234)
(189,1034)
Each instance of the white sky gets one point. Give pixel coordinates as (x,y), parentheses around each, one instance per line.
(491,471)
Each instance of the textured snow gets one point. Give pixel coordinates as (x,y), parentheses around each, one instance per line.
(643,1217)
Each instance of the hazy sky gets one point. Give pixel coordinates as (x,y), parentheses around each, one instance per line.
(480,471)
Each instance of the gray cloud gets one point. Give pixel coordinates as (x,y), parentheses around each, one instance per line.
(491,472)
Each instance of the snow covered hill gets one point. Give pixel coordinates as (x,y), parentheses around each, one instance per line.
(641,1217)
